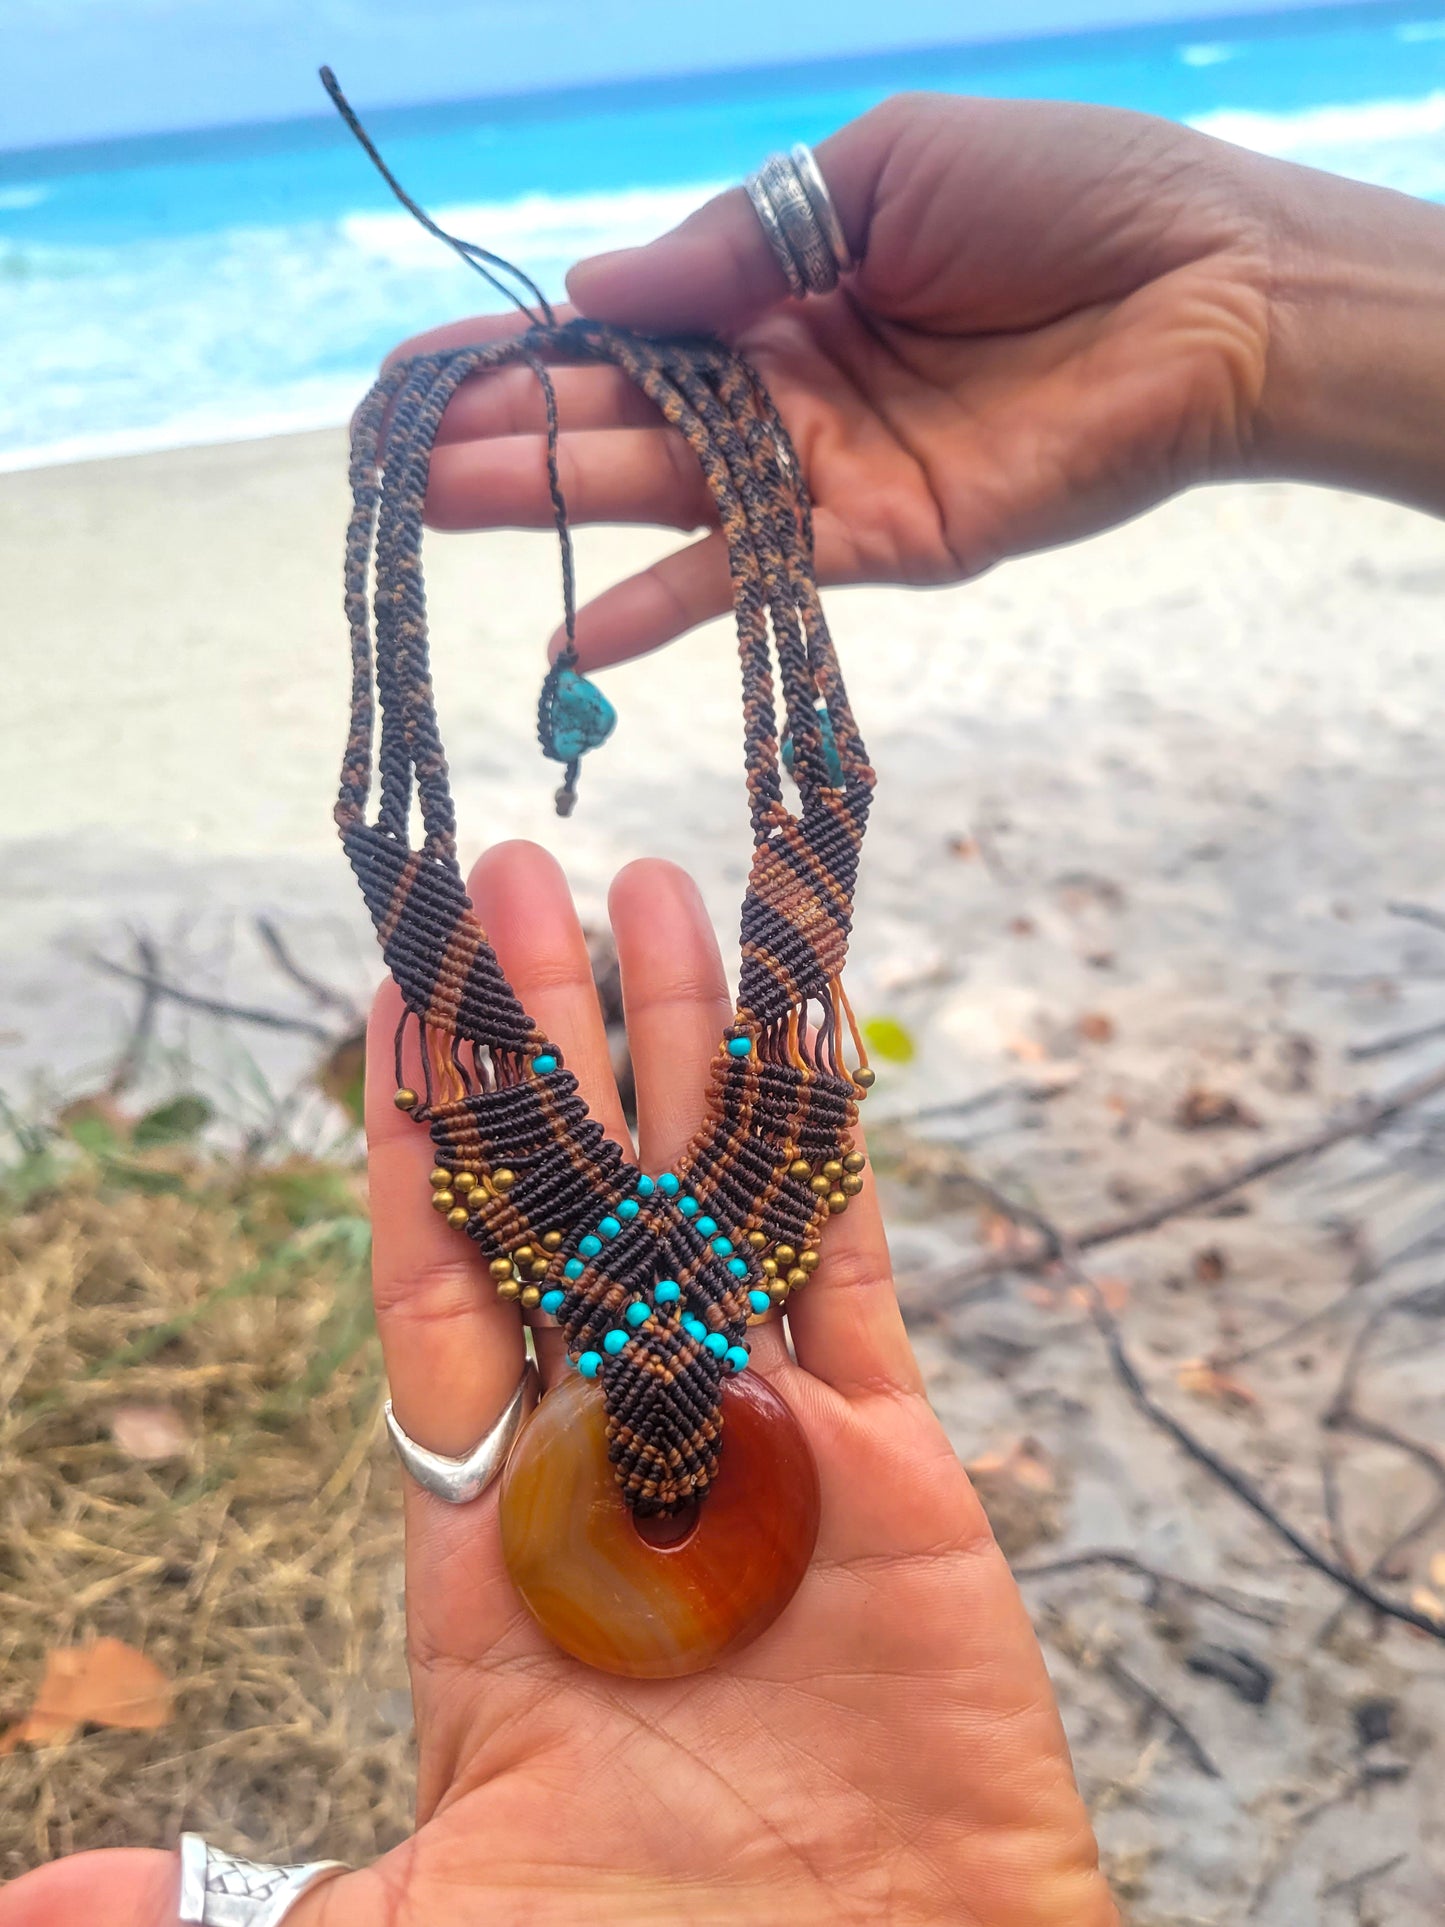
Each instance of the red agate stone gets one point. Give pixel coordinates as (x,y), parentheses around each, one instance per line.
(640,1606)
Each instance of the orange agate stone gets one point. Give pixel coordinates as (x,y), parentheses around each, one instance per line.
(643,1607)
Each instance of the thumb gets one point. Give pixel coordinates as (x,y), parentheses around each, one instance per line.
(716,271)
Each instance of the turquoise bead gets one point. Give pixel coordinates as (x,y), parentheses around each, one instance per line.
(693,1326)
(590,1364)
(668,1185)
(609,1227)
(552,1301)
(735,1358)
(689,1207)
(716,1344)
(574,1267)
(738,1267)
(707,1226)
(578,719)
(544,1064)
(830,749)
(638,1314)
(646,1186)
(614,1341)
(628,1208)
(759,1301)
(722,1246)
(589,1246)
(668,1291)
(740,1046)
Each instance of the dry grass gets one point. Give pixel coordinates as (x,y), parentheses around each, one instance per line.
(261,1569)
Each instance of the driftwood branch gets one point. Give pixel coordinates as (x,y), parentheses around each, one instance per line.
(158,987)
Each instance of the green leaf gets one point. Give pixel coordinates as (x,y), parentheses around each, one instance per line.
(888,1039)
(176,1122)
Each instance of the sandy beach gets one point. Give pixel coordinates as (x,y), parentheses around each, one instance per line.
(1143,808)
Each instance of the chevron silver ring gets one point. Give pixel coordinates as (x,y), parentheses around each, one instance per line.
(221,1890)
(459,1481)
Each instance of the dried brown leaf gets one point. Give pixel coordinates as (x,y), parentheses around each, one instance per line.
(150,1433)
(1201,1109)
(1204,1380)
(1096,1027)
(106,1683)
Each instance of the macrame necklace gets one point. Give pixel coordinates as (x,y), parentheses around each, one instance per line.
(653,1278)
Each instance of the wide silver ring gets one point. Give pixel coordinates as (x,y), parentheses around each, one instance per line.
(459,1481)
(220,1890)
(796,213)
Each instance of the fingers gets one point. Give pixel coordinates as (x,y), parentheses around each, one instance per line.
(717,270)
(474,331)
(127,1886)
(608,475)
(509,401)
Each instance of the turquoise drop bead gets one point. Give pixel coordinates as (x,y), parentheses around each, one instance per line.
(614,1341)
(638,1314)
(707,1226)
(590,1364)
(694,1327)
(574,1267)
(589,1246)
(609,1227)
(552,1301)
(735,1358)
(738,1267)
(668,1185)
(722,1246)
(668,1291)
(628,1208)
(759,1301)
(646,1186)
(716,1344)
(740,1046)
(689,1207)
(544,1064)
(581,717)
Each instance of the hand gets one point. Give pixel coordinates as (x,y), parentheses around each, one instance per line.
(890,1751)
(1062,315)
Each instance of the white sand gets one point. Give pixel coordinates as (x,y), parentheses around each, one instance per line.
(1199,757)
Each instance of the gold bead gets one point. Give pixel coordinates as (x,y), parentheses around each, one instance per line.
(809,1260)
(509,1289)
(500,1268)
(820,1186)
(442,1200)
(531,1297)
(406,1100)
(865,1079)
(504,1179)
(456,1219)
(539,1267)
(833,1169)
(440,1178)
(851,1185)
(478,1198)
(797,1276)
(464,1181)
(854,1162)
(551,1240)
(778,1290)
(800,1168)
(757,1239)
(524,1254)
(769,1267)
(785,1255)
(837,1202)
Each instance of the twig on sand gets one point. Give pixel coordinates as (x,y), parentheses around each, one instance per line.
(1361,1119)
(157,987)
(1264,1612)
(1154,1703)
(1396,1040)
(322,995)
(1418,913)
(131,1058)
(1354,1883)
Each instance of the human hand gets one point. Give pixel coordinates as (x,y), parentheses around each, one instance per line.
(889,1751)
(1062,315)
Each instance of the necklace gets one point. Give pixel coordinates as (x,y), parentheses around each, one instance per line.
(700,1476)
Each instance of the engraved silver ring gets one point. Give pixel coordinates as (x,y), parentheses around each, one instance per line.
(220,1890)
(796,213)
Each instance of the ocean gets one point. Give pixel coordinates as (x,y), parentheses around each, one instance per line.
(201,287)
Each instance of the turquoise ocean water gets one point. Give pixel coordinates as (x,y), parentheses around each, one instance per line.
(190,288)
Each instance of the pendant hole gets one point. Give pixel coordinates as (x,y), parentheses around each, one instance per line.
(666,1532)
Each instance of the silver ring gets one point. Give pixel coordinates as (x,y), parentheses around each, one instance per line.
(796,212)
(219,1890)
(459,1481)
(821,201)
(777,240)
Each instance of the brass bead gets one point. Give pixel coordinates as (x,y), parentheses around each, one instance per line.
(509,1289)
(406,1100)
(833,1169)
(551,1240)
(778,1290)
(757,1239)
(464,1181)
(821,1186)
(854,1162)
(500,1268)
(809,1260)
(865,1079)
(442,1200)
(504,1179)
(785,1255)
(457,1218)
(440,1178)
(524,1254)
(837,1202)
(539,1267)
(797,1276)
(478,1198)
(769,1267)
(800,1168)
(851,1185)
(531,1297)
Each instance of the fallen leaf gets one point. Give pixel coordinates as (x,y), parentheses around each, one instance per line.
(1022,927)
(1209,1264)
(106,1683)
(1020,1493)
(1114,1292)
(1429,1603)
(1437,1570)
(1027,1049)
(965,848)
(150,1433)
(889,1039)
(1201,1378)
(1095,1027)
(1205,1110)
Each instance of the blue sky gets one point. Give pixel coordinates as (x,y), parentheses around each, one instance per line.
(93,69)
